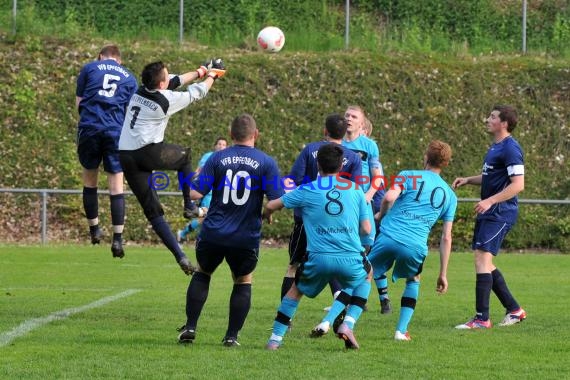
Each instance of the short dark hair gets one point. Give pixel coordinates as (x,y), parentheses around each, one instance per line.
(153,74)
(508,114)
(329,158)
(220,139)
(438,154)
(243,127)
(336,125)
(110,51)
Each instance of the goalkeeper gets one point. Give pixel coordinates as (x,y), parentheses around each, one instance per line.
(143,150)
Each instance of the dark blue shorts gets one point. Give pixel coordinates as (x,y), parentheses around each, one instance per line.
(241,261)
(489,235)
(94,146)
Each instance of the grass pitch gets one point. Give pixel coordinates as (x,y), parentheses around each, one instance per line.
(74,312)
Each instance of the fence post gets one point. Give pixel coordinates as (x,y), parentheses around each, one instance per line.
(181,21)
(347,24)
(44,217)
(524,27)
(14,13)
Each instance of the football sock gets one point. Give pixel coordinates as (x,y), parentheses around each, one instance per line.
(93,228)
(408,305)
(90,202)
(240,303)
(196,296)
(502,291)
(357,303)
(193,225)
(382,286)
(162,229)
(339,304)
(118,237)
(118,209)
(286,285)
(189,203)
(483,287)
(285,314)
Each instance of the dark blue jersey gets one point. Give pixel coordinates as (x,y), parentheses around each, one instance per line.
(105,88)
(238,177)
(305,168)
(502,161)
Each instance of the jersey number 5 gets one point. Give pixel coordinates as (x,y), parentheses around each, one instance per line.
(109,87)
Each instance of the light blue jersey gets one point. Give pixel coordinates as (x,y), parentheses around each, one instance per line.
(425,199)
(331,212)
(207,199)
(369,153)
(203,159)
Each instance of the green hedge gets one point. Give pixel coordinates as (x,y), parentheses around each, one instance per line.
(378,25)
(411,99)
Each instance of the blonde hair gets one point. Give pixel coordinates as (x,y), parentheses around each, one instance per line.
(368,127)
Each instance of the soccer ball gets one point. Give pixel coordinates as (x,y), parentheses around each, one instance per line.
(271,39)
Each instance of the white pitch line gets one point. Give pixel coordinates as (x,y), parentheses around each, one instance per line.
(32,324)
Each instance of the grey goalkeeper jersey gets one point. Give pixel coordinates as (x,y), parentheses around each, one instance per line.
(149,110)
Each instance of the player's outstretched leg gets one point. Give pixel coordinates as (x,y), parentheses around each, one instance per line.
(285,314)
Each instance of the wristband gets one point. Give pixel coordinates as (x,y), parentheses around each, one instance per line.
(201,71)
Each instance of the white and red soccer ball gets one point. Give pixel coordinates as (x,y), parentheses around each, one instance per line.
(271,39)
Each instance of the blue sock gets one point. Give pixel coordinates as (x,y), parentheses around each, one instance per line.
(502,291)
(162,229)
(382,286)
(408,305)
(483,287)
(339,304)
(357,302)
(191,226)
(285,313)
(90,202)
(117,209)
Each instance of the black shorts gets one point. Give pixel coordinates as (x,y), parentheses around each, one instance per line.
(298,243)
(138,166)
(242,261)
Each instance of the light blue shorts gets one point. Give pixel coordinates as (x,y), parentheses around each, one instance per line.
(314,274)
(408,260)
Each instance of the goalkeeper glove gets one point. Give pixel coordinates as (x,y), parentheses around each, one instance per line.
(204,67)
(218,69)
